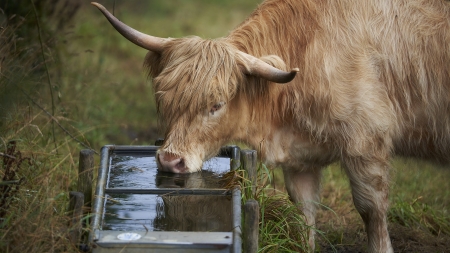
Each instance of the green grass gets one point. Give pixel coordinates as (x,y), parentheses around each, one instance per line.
(419,200)
(420,196)
(282,226)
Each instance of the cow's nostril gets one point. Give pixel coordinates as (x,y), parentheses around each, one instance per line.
(180,164)
(171,163)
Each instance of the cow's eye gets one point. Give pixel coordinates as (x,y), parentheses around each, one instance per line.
(216,107)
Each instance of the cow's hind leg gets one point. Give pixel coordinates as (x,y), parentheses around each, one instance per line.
(303,188)
(370,189)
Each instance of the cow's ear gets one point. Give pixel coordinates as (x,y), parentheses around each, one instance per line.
(152,64)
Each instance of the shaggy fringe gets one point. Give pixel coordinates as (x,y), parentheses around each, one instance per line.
(209,67)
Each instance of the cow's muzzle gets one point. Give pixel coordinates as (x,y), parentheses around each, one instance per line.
(168,162)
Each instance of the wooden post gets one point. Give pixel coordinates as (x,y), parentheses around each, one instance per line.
(248,162)
(235,152)
(251,226)
(86,175)
(76,208)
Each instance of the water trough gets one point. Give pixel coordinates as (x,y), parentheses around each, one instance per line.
(138,209)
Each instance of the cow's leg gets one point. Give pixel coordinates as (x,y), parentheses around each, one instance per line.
(369,181)
(303,188)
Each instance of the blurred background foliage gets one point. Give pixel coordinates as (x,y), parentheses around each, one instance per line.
(69,81)
(25,43)
(77,67)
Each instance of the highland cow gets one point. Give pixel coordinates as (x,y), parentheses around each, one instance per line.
(372,82)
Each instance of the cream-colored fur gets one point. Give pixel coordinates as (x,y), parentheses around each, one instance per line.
(373,82)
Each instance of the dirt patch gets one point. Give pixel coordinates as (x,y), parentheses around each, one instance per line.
(344,232)
(414,240)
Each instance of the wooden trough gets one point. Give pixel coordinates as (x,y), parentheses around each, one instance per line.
(137,209)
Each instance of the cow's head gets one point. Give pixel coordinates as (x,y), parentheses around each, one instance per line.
(195,83)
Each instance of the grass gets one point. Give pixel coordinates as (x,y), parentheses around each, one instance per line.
(101,96)
(421,196)
(418,201)
(282,226)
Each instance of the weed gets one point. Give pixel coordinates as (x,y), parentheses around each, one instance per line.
(416,214)
(9,186)
(282,226)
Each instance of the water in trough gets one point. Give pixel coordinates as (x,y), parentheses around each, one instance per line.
(151,212)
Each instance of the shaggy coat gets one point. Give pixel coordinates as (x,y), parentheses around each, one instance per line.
(373,82)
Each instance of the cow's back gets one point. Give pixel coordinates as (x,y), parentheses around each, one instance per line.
(385,66)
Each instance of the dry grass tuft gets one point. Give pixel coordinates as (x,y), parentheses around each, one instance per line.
(282,226)
(34,216)
(36,178)
(12,161)
(420,215)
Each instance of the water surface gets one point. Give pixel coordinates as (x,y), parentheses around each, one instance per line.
(150,212)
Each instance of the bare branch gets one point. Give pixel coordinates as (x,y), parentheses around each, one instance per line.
(9,156)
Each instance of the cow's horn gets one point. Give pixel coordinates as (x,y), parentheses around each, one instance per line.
(146,41)
(259,68)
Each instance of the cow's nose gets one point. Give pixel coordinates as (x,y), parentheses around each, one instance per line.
(171,163)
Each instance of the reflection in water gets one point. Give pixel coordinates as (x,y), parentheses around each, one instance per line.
(132,172)
(194,213)
(125,212)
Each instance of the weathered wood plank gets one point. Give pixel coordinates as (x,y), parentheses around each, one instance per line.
(76,209)
(86,175)
(249,163)
(251,226)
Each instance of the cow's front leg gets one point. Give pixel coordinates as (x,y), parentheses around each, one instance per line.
(369,180)
(303,187)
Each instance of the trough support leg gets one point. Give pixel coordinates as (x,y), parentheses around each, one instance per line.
(251,208)
(249,162)
(76,209)
(251,226)
(84,186)
(86,174)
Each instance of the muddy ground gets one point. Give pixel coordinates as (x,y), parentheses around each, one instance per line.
(403,240)
(345,231)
